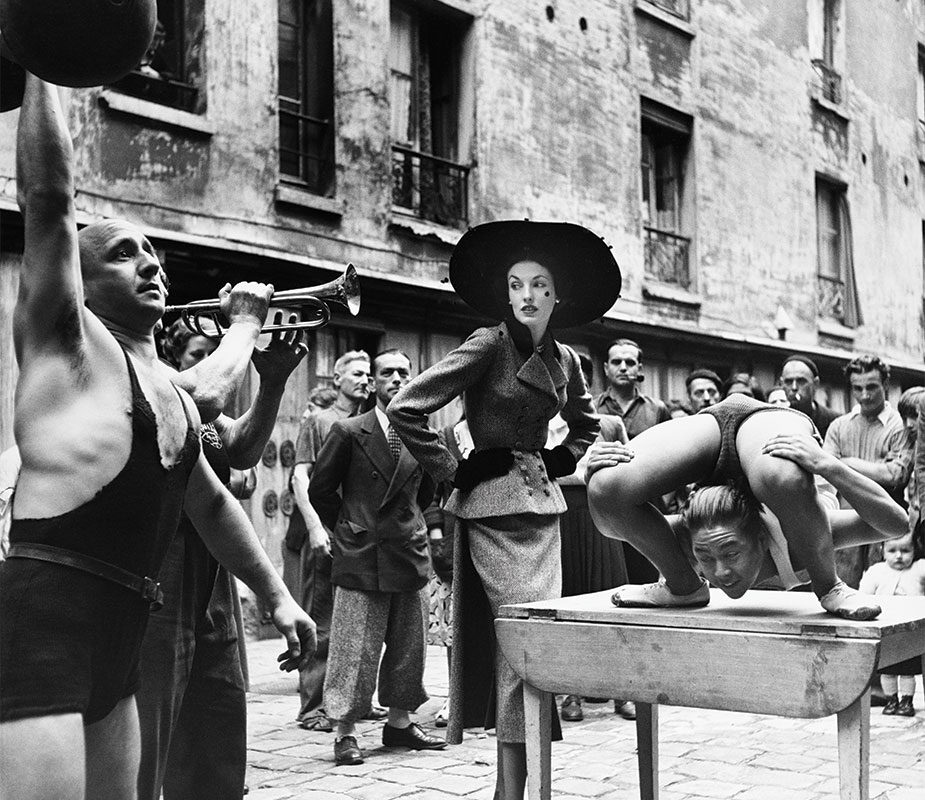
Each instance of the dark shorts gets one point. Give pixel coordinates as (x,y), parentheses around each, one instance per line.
(69,641)
(730,414)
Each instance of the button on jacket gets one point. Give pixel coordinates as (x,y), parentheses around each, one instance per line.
(509,398)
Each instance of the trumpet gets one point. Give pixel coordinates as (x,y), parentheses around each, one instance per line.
(205,317)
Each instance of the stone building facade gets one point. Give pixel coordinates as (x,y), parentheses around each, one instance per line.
(742,159)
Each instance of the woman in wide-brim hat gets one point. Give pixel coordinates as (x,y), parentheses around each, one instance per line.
(514,377)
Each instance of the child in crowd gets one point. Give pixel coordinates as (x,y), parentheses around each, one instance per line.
(898,574)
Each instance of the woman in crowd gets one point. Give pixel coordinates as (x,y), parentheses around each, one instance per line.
(514,378)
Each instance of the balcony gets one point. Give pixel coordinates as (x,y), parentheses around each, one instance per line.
(829,82)
(306,149)
(830,298)
(666,257)
(430,187)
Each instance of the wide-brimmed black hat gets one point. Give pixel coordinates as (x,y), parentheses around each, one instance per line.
(585,272)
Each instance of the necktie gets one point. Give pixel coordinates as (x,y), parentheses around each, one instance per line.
(394,443)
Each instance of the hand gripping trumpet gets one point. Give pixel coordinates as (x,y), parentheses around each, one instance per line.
(206,319)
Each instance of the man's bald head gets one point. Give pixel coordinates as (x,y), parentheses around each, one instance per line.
(93,240)
(118,263)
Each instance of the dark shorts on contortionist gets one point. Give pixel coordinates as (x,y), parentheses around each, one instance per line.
(729,415)
(70,656)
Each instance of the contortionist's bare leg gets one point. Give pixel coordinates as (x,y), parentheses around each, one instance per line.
(789,493)
(666,456)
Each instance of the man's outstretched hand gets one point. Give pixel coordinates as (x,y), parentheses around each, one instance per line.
(300,632)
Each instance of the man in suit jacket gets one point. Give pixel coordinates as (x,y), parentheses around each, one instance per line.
(380,567)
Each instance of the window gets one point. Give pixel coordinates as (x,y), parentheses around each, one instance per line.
(306,94)
(424,61)
(664,145)
(171,72)
(920,92)
(826,44)
(837,293)
(923,272)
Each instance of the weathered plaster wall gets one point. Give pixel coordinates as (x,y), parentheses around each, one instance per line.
(552,129)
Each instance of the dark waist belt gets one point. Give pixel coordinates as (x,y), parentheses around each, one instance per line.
(148,588)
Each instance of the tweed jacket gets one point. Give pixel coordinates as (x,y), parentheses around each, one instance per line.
(511,391)
(373,508)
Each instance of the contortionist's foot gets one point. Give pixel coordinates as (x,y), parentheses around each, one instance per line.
(843,601)
(658,595)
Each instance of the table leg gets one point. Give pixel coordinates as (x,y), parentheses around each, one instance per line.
(538,707)
(854,749)
(647,749)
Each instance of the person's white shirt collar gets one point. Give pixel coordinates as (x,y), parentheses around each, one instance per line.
(883,416)
(383,421)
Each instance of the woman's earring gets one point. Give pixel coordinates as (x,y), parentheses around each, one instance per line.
(557,299)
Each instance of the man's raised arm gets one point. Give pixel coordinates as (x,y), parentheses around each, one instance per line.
(50,299)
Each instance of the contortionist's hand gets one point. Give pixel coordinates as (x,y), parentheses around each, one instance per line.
(601,455)
(300,632)
(248,301)
(802,449)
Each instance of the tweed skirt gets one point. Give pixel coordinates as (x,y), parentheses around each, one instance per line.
(516,559)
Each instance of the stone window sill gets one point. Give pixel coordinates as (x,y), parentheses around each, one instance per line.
(673,294)
(836,109)
(422,227)
(669,20)
(112,100)
(835,330)
(289,194)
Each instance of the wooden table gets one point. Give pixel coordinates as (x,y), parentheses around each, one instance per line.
(767,653)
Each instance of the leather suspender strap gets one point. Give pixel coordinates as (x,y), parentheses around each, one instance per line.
(148,588)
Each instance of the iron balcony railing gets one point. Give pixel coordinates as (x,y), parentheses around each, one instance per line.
(306,148)
(830,296)
(829,81)
(678,8)
(667,257)
(430,187)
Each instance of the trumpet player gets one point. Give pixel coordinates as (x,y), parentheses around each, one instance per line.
(110,455)
(193,666)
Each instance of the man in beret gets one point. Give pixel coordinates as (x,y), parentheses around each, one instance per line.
(703,388)
(799,376)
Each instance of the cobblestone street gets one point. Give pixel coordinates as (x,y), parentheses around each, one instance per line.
(704,755)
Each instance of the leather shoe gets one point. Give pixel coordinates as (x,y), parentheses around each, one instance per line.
(316,722)
(625,708)
(905,708)
(892,704)
(347,752)
(412,737)
(571,709)
(375,714)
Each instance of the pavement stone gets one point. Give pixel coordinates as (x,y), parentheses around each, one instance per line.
(703,755)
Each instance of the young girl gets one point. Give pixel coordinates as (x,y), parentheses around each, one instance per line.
(898,574)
